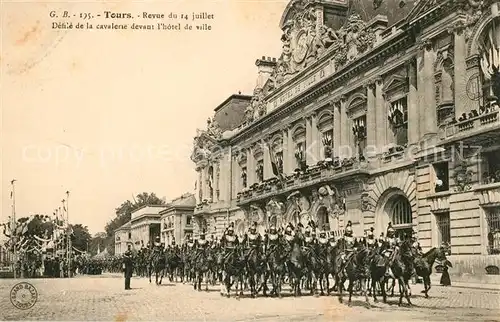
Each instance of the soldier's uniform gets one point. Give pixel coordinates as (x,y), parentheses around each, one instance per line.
(202,242)
(392,246)
(253,237)
(415,244)
(229,239)
(331,239)
(323,239)
(371,242)
(190,243)
(127,267)
(272,238)
(289,233)
(349,241)
(308,237)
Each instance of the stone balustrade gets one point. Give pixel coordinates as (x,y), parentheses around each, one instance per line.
(320,173)
(439,202)
(489,194)
(472,125)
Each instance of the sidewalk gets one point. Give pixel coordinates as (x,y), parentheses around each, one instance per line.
(464,284)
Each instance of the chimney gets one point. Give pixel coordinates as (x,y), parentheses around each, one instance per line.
(265,67)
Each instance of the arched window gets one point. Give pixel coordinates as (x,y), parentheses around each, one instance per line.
(299,139)
(402,220)
(490,58)
(325,127)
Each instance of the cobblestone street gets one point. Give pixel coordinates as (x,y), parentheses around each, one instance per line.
(103,298)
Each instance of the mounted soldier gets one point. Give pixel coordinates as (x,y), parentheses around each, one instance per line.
(157,245)
(415,244)
(323,238)
(229,239)
(202,241)
(309,239)
(349,242)
(252,238)
(273,238)
(371,242)
(392,246)
(289,232)
(331,239)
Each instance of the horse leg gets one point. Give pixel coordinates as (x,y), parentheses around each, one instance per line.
(340,285)
(427,286)
(350,287)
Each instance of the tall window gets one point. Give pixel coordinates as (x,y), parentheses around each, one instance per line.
(327,142)
(402,217)
(325,126)
(189,220)
(277,149)
(493,218)
(211,182)
(359,132)
(279,160)
(490,59)
(259,171)
(444,230)
(398,120)
(299,138)
(244,177)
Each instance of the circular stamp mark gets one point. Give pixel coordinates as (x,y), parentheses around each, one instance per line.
(23,295)
(473,88)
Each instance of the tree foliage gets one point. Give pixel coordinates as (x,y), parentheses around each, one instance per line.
(80,237)
(124,214)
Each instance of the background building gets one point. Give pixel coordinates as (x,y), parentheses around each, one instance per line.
(368,118)
(145,224)
(123,237)
(177,219)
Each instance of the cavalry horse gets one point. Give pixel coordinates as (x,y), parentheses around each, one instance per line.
(276,267)
(356,269)
(423,265)
(296,262)
(157,265)
(233,268)
(201,268)
(378,267)
(174,265)
(401,264)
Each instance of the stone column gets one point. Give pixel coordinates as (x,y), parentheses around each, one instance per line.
(371,125)
(460,70)
(268,172)
(336,127)
(427,112)
(346,129)
(285,149)
(309,145)
(203,183)
(198,186)
(413,103)
(315,139)
(251,177)
(291,151)
(381,115)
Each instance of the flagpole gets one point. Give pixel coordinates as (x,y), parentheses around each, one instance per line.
(14,226)
(69,236)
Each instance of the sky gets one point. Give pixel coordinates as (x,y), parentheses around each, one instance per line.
(109,114)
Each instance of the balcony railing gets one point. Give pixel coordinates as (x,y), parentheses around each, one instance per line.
(489,194)
(321,172)
(472,124)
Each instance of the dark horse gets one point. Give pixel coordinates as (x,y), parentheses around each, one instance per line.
(423,266)
(296,263)
(157,265)
(377,273)
(276,269)
(401,264)
(233,267)
(357,269)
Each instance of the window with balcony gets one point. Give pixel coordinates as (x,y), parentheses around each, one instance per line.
(490,63)
(445,88)
(398,120)
(244,177)
(259,170)
(444,230)
(359,131)
(279,161)
(493,219)
(491,167)
(325,127)
(327,143)
(441,177)
(299,139)
(211,183)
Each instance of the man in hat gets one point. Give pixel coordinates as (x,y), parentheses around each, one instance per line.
(202,241)
(309,239)
(272,238)
(331,239)
(289,232)
(323,238)
(190,243)
(252,237)
(128,267)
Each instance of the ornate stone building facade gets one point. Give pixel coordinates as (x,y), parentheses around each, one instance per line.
(177,219)
(371,119)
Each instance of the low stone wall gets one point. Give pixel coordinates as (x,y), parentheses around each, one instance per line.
(472,268)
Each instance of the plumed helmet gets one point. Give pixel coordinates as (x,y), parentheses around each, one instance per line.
(370,232)
(390,229)
(348,229)
(157,238)
(349,224)
(272,228)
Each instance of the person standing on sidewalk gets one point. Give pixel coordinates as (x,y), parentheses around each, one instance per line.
(128,266)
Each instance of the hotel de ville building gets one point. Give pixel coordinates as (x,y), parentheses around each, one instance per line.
(373,113)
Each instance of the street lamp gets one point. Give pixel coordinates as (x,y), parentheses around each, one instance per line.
(68,241)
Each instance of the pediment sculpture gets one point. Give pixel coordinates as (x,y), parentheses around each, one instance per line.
(357,39)
(201,149)
(213,128)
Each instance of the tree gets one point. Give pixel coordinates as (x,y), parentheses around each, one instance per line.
(80,237)
(124,214)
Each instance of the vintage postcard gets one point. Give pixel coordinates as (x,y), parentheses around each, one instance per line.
(250,160)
